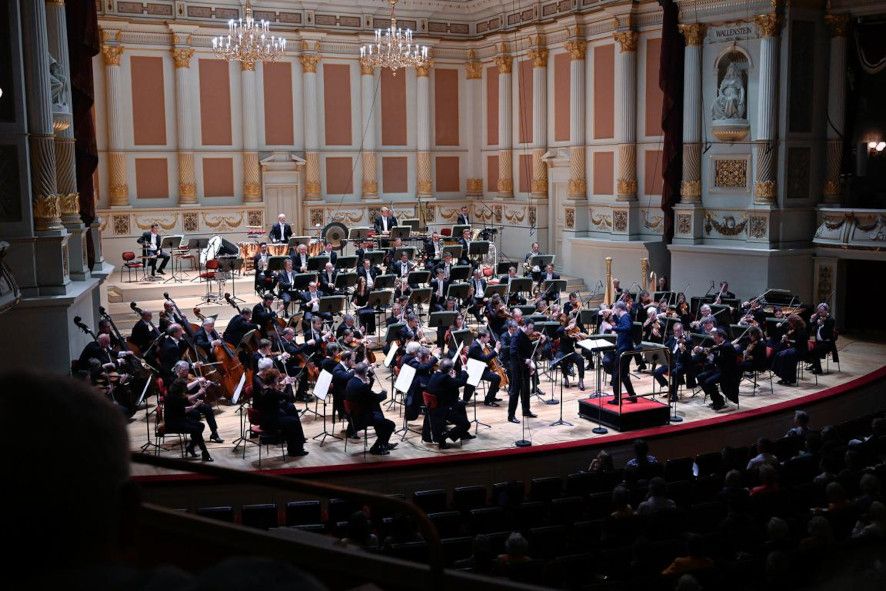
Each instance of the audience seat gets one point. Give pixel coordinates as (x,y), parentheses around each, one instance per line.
(465,498)
(225,514)
(263,516)
(303,513)
(430,501)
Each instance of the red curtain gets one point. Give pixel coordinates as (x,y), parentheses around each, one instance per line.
(84,43)
(670,80)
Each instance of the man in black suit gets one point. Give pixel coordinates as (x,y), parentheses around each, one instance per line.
(239,326)
(342,372)
(403,267)
(151,242)
(438,285)
(366,409)
(286,285)
(368,272)
(263,311)
(421,359)
(465,241)
(171,351)
(446,265)
(825,337)
(621,364)
(444,385)
(477,300)
(433,251)
(327,279)
(520,358)
(329,252)
(144,332)
(463,218)
(99,349)
(361,251)
(281,231)
(724,372)
(385,221)
(310,303)
(300,259)
(207,337)
(681,362)
(475,351)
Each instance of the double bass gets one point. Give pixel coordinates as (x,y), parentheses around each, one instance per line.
(232,375)
(496,367)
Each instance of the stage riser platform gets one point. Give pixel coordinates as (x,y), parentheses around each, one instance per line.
(651,414)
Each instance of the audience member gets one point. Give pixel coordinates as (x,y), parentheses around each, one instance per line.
(657,501)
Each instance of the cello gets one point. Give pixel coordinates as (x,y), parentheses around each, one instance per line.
(231,372)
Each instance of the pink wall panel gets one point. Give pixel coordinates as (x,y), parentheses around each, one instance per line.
(524,114)
(604,181)
(337,104)
(492,106)
(492,174)
(446,106)
(278,103)
(393,109)
(654,95)
(561,97)
(525,172)
(215,103)
(652,172)
(218,177)
(148,107)
(151,178)
(394,174)
(339,176)
(447,178)
(604,91)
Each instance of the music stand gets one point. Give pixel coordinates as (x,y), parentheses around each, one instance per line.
(294,241)
(454,250)
(459,272)
(443,319)
(589,317)
(413,223)
(541,260)
(360,234)
(171,244)
(302,280)
(317,263)
(331,305)
(458,229)
(346,262)
(345,280)
(478,248)
(420,296)
(503,267)
(400,232)
(385,281)
(501,289)
(379,300)
(458,290)
(519,284)
(197,244)
(321,392)
(554,286)
(464,337)
(596,346)
(409,250)
(419,277)
(376,257)
(229,265)
(555,366)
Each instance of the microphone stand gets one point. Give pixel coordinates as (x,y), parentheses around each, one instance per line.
(523,442)
(560,421)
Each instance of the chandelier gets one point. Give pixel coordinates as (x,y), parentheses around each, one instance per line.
(249,41)
(394,48)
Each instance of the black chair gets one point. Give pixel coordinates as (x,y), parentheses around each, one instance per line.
(455,549)
(584,535)
(787,447)
(448,523)
(430,501)
(263,516)
(465,498)
(548,541)
(412,551)
(303,513)
(567,510)
(339,510)
(488,520)
(544,489)
(531,514)
(225,514)
(579,483)
(708,463)
(508,494)
(599,505)
(680,492)
(678,469)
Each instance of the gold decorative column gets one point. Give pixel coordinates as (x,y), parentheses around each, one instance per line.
(187,182)
(504,61)
(424,184)
(473,75)
(309,63)
(626,115)
(251,168)
(577,48)
(690,186)
(118,186)
(368,158)
(538,54)
(766,147)
(837,25)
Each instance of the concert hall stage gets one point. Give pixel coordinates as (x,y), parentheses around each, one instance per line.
(853,390)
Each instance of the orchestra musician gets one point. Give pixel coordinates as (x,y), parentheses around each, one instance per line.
(754,352)
(348,322)
(300,259)
(724,372)
(680,367)
(330,252)
(366,409)
(99,349)
(463,218)
(182,409)
(404,267)
(403,290)
(444,385)
(280,232)
(433,251)
(478,285)
(311,303)
(423,362)
(522,367)
(144,332)
(362,249)
(391,253)
(263,314)
(171,351)
(621,363)
(482,350)
(278,413)
(724,293)
(238,326)
(569,334)
(385,221)
(369,273)
(168,317)
(534,250)
(465,241)
(790,351)
(193,391)
(207,338)
(496,314)
(439,286)
(286,285)
(360,300)
(445,265)
(342,372)
(150,242)
(264,277)
(616,287)
(825,337)
(327,279)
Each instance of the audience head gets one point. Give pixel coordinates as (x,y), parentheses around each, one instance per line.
(516,545)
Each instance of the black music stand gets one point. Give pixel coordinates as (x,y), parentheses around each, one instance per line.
(420,296)
(501,289)
(419,277)
(550,287)
(442,319)
(346,262)
(230,265)
(302,280)
(413,223)
(379,300)
(317,263)
(541,260)
(400,232)
(409,250)
(454,250)
(554,366)
(503,267)
(458,229)
(345,281)
(385,281)
(198,244)
(463,337)
(478,248)
(459,272)
(172,244)
(294,241)
(589,317)
(519,284)
(359,234)
(376,257)
(331,304)
(458,290)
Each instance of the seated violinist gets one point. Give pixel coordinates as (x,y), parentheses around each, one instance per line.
(569,334)
(423,362)
(193,391)
(754,351)
(179,410)
(286,285)
(348,323)
(825,335)
(365,409)
(482,350)
(444,385)
(207,338)
(276,413)
(292,364)
(680,366)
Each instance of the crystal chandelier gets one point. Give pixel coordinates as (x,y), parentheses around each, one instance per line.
(249,41)
(394,48)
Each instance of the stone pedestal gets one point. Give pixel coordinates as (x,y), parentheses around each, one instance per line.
(688,223)
(53,273)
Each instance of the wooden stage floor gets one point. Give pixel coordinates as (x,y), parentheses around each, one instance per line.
(857,359)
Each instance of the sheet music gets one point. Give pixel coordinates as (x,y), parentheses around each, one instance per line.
(239,389)
(389,358)
(595,344)
(475,371)
(321,388)
(404,380)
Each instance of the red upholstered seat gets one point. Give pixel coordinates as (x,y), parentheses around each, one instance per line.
(429,399)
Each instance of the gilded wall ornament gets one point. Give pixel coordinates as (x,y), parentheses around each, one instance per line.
(758,226)
(577,49)
(684,224)
(728,227)
(620,220)
(570,217)
(120,223)
(731,174)
(182,56)
(473,68)
(694,33)
(309,63)
(190,221)
(627,40)
(112,54)
(504,63)
(316,217)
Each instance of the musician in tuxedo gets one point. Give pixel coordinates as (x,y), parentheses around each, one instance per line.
(329,252)
(478,283)
(286,285)
(534,250)
(754,351)
(369,272)
(724,372)
(549,274)
(238,326)
(433,251)
(310,303)
(348,322)
(99,349)
(366,409)
(277,413)
(521,351)
(423,362)
(280,232)
(263,312)
(207,338)
(476,351)
(385,221)
(438,285)
(180,409)
(171,351)
(144,332)
(264,277)
(465,241)
(391,253)
(821,325)
(403,267)
(327,279)
(446,265)
(361,251)
(300,259)
(621,364)
(444,385)
(724,293)
(192,390)
(342,372)
(463,218)
(150,242)
(680,366)
(289,363)
(570,357)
